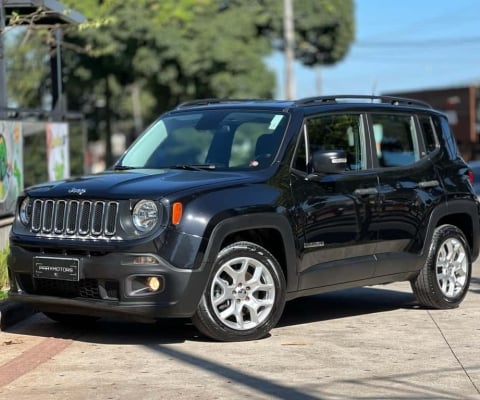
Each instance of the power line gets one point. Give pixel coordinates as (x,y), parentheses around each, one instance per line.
(420,43)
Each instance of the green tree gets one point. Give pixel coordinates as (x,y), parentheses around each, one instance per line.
(324,30)
(27,68)
(136,58)
(182,49)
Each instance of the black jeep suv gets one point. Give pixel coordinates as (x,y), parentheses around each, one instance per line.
(225,209)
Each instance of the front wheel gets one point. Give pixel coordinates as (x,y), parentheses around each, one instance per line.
(245,294)
(444,279)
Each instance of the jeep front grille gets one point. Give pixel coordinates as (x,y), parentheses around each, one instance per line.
(74,218)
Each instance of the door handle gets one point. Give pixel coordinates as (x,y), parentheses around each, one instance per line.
(365,191)
(428,184)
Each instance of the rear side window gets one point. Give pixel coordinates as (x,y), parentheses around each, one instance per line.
(428,130)
(395,139)
(443,130)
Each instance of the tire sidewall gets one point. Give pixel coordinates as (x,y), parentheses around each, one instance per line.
(440,236)
(251,250)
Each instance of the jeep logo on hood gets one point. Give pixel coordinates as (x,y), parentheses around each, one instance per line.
(78,191)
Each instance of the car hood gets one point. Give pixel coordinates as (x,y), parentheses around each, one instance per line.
(142,183)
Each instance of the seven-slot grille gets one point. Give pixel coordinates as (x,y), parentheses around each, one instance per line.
(70,218)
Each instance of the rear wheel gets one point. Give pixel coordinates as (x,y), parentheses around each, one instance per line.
(444,280)
(245,294)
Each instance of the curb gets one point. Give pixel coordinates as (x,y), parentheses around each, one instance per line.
(12,313)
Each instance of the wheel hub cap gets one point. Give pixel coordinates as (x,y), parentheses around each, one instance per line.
(452,267)
(240,294)
(243,293)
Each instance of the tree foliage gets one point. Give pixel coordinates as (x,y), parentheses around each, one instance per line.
(133,59)
(324,30)
(27,70)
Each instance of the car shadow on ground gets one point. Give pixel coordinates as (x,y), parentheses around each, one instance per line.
(317,308)
(475,285)
(110,331)
(345,303)
(334,305)
(314,308)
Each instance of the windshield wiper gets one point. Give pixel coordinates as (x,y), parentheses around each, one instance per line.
(193,167)
(189,167)
(123,167)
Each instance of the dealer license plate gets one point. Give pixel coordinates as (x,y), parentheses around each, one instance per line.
(66,269)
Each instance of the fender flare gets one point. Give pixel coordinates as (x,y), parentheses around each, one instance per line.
(448,209)
(256,221)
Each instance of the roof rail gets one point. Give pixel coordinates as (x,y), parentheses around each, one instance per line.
(206,102)
(381,99)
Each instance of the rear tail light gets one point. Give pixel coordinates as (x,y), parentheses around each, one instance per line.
(470,176)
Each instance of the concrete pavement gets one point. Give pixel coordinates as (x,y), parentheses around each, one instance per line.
(367,343)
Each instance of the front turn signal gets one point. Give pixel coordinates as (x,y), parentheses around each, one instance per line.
(177,211)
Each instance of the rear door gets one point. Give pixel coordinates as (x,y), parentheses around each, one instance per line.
(409,186)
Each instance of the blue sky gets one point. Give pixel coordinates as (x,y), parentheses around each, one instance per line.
(399,46)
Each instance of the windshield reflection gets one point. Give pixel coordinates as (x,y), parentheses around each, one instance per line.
(208,140)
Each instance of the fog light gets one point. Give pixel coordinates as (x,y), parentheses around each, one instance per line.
(144,285)
(153,283)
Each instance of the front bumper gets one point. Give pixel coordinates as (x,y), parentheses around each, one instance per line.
(110,285)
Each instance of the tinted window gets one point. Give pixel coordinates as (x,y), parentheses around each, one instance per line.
(395,140)
(428,131)
(339,132)
(210,138)
(443,129)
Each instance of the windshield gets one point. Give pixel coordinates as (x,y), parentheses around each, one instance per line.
(208,139)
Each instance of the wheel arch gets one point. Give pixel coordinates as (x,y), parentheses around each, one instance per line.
(271,231)
(462,214)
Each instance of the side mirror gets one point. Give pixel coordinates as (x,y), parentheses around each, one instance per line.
(329,161)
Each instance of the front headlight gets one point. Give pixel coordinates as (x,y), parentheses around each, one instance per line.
(145,215)
(25,211)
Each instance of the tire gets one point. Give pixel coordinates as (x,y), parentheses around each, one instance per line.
(71,319)
(444,279)
(244,297)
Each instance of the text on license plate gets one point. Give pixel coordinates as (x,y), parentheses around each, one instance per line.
(56,268)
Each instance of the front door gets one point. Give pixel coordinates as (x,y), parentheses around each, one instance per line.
(337,209)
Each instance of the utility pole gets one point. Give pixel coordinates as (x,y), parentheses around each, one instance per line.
(58,106)
(289,38)
(318,79)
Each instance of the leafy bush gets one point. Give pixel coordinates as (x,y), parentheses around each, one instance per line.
(3,269)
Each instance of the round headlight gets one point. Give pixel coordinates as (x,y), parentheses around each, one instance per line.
(145,215)
(25,211)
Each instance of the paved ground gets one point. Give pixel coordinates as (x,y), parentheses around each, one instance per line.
(368,343)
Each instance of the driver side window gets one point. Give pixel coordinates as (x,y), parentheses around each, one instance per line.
(340,133)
